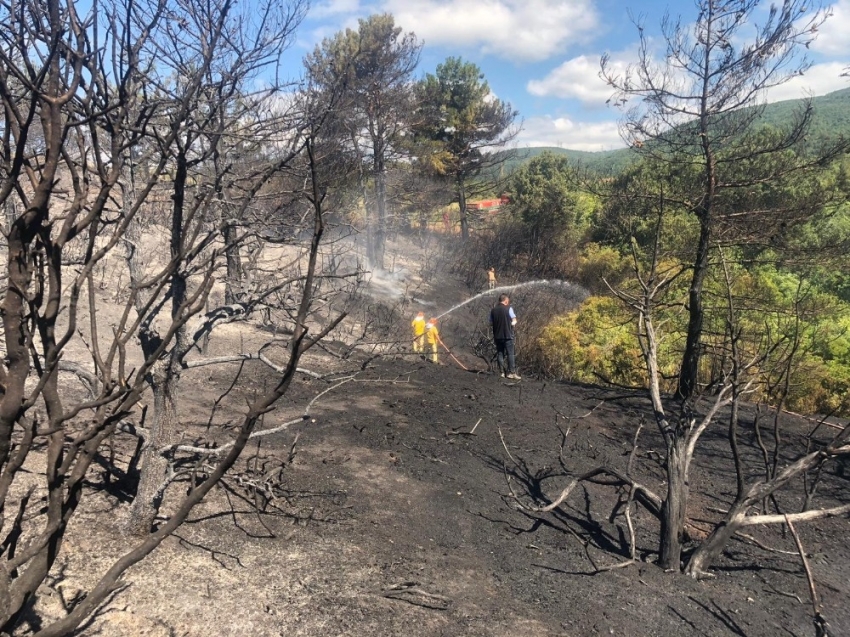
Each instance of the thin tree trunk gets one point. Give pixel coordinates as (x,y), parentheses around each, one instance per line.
(154,466)
(165,376)
(232,285)
(689,369)
(19,273)
(380,234)
(711,548)
(674,508)
(369,216)
(461,201)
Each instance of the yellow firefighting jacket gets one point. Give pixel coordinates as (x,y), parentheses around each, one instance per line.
(432,336)
(418,325)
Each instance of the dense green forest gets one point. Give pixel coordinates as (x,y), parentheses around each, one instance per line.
(602,162)
(831,117)
(780,225)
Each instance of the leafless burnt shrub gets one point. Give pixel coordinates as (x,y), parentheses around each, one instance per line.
(681,427)
(137,107)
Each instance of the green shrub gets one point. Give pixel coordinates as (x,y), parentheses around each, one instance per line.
(596,342)
(598,262)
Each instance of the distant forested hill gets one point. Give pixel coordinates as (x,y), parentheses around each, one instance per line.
(831,114)
(831,118)
(603,162)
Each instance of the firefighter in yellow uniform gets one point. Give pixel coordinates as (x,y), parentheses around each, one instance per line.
(432,337)
(418,325)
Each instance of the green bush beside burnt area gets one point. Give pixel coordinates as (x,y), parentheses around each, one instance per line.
(806,331)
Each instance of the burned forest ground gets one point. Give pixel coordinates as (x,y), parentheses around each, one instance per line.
(390,516)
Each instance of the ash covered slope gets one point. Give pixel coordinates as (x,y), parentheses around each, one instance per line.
(394,520)
(430,509)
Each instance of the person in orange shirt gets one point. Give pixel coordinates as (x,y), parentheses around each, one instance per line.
(432,337)
(418,325)
(491,278)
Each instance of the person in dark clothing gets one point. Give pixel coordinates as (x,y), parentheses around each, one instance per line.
(503,320)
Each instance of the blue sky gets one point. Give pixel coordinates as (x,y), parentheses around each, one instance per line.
(542,56)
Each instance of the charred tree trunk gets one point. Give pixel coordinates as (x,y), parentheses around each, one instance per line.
(378,133)
(154,464)
(18,266)
(675,506)
(368,213)
(33,293)
(711,548)
(689,370)
(164,379)
(233,284)
(370,233)
(379,236)
(12,389)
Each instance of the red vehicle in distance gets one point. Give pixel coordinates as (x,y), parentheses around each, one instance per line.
(487,205)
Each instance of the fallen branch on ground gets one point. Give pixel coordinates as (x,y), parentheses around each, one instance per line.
(821,627)
(267,432)
(225,447)
(410,592)
(628,510)
(641,493)
(465,433)
(238,358)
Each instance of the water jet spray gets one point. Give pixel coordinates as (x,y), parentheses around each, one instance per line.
(505,288)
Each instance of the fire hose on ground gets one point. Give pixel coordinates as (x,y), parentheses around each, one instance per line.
(454,358)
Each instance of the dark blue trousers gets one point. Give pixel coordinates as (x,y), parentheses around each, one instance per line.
(505,348)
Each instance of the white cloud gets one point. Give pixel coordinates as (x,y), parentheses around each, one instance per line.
(833,37)
(566,133)
(577,78)
(594,136)
(334,8)
(511,29)
(820,79)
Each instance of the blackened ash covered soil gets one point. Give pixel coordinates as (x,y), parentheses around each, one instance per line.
(422,535)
